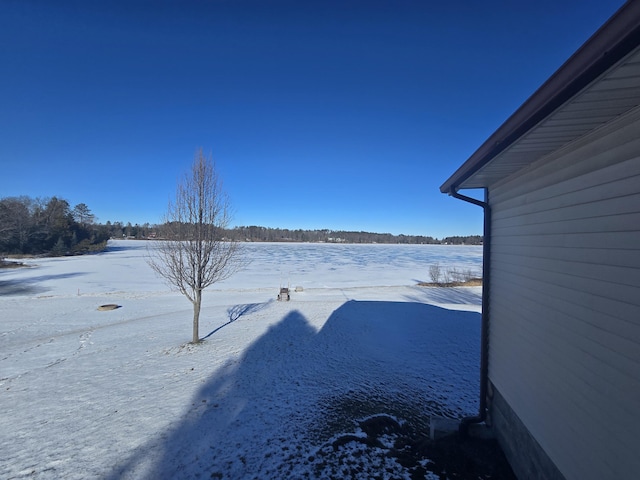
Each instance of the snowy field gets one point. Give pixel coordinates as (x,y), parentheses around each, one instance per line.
(276,390)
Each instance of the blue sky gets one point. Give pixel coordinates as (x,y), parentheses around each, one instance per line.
(334,114)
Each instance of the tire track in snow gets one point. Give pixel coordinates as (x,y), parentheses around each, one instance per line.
(84,334)
(49,338)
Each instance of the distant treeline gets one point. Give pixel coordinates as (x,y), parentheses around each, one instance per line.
(266,234)
(50,226)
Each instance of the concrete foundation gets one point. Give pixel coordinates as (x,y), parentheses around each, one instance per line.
(527,458)
(440,427)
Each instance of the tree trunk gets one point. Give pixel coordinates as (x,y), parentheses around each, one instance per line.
(196,317)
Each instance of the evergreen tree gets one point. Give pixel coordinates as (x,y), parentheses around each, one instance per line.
(82,214)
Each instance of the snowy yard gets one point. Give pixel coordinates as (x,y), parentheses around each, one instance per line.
(275,391)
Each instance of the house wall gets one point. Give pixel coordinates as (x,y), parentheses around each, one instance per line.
(564,350)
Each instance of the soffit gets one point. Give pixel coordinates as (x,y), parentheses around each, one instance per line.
(613,93)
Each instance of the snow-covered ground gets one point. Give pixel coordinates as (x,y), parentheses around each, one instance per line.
(270,392)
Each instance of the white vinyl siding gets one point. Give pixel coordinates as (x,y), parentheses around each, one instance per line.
(565,301)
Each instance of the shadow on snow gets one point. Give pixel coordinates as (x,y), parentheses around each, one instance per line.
(447,295)
(30,286)
(296,387)
(238,311)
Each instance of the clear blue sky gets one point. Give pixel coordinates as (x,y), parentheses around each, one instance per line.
(319,114)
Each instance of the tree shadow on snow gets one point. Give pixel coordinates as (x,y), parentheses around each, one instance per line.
(30,286)
(122,248)
(447,295)
(237,311)
(295,387)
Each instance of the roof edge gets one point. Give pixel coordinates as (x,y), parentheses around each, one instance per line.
(608,45)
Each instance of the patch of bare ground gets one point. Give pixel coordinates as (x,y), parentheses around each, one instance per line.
(7,264)
(391,439)
(472,282)
(388,448)
(451,457)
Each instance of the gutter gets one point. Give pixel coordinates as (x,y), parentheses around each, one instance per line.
(463,429)
(618,37)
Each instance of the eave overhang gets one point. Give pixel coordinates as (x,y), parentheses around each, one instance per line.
(598,83)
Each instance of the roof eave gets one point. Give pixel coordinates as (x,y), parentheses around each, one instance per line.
(615,39)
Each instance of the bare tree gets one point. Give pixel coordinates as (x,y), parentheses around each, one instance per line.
(192,254)
(435,272)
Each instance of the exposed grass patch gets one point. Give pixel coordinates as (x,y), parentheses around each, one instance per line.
(7,264)
(368,435)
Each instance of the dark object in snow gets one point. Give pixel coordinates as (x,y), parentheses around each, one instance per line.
(284,294)
(108,306)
